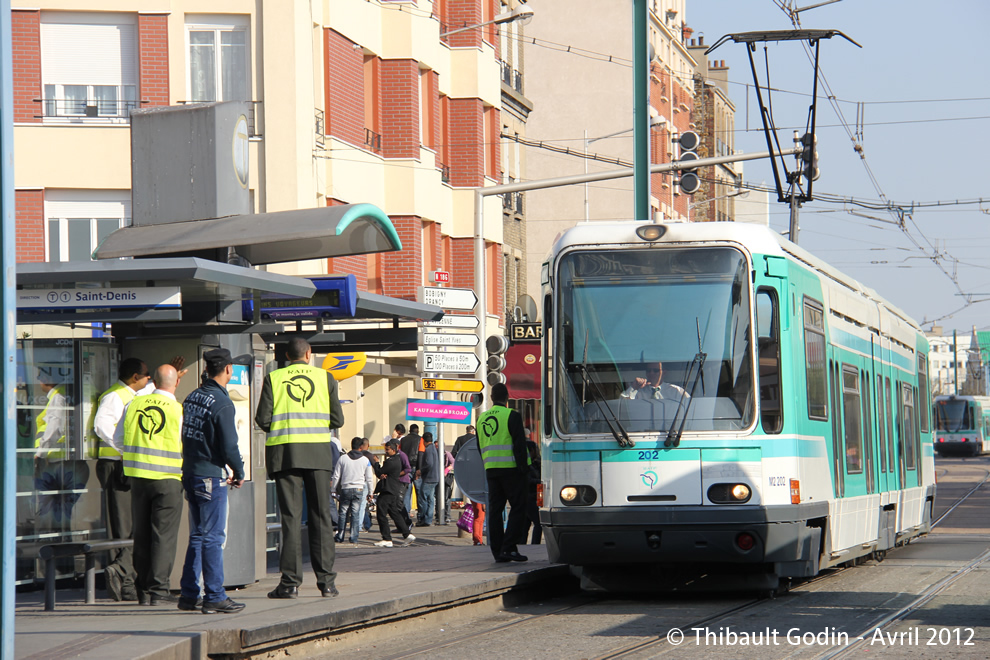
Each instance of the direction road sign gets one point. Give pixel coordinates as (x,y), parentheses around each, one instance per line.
(460,299)
(437,339)
(452,321)
(448,363)
(450,385)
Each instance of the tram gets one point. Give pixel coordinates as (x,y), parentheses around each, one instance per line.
(962,425)
(788,429)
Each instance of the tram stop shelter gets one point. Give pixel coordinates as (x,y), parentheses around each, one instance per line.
(189,288)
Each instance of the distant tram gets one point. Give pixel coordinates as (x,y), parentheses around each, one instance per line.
(714,395)
(962,425)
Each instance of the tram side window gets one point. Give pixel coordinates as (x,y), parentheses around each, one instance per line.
(924,403)
(890,424)
(881,424)
(767,323)
(814,357)
(867,430)
(853,422)
(908,425)
(836,431)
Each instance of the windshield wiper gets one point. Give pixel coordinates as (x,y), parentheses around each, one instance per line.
(611,419)
(674,437)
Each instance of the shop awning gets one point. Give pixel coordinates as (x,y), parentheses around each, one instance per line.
(263,238)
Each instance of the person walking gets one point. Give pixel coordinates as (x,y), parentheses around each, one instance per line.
(134,380)
(502,441)
(409,445)
(365,513)
(298,407)
(353,475)
(209,447)
(149,440)
(390,498)
(428,478)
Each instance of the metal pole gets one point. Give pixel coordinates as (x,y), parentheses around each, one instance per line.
(8,466)
(955,362)
(481,309)
(641,110)
(792,232)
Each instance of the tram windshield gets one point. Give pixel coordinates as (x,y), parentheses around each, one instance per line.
(954,415)
(653,337)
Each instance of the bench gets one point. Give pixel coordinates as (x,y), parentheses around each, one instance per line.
(49,553)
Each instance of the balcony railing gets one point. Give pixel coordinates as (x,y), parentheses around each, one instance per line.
(373,140)
(512,77)
(321,129)
(444,172)
(86,108)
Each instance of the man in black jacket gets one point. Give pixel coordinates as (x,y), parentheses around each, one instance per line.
(209,446)
(389,491)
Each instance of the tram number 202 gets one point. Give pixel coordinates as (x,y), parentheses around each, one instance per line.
(649,455)
(778,481)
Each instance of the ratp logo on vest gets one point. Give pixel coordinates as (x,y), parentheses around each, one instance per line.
(300,389)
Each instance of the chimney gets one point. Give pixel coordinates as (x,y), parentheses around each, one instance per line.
(701,40)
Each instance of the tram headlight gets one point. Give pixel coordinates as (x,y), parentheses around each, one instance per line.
(729,493)
(651,232)
(578,495)
(740,492)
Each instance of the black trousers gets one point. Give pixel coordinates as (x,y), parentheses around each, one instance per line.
(391,505)
(117,508)
(156,509)
(506,485)
(533,517)
(290,488)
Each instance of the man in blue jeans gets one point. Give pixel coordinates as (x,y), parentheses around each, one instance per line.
(209,446)
(353,476)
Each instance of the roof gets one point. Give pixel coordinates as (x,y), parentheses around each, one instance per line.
(262,238)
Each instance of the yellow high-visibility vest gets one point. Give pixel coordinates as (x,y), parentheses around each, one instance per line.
(153,438)
(98,447)
(494,439)
(300,406)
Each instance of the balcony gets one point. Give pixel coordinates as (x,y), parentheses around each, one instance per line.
(373,140)
(321,129)
(512,77)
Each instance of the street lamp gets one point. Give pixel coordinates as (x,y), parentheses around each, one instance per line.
(735,193)
(522,13)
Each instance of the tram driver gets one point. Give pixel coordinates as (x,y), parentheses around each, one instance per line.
(653,387)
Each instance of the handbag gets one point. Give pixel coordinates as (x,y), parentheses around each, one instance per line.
(466,521)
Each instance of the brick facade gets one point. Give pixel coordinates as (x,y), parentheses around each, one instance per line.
(402,272)
(26,42)
(400,108)
(29,212)
(465,137)
(462,13)
(344,85)
(153,59)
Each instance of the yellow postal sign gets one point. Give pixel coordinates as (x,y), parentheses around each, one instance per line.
(345,365)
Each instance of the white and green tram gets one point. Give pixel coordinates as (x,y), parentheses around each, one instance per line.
(790,432)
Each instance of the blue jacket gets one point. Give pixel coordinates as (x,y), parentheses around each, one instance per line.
(209,434)
(429,465)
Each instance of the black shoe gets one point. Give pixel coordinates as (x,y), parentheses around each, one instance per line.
(190,604)
(129,594)
(144,599)
(424,524)
(223,607)
(282,591)
(115,582)
(329,591)
(164,599)
(511,556)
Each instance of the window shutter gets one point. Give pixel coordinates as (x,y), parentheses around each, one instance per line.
(88,208)
(84,53)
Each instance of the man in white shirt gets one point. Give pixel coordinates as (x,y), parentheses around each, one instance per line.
(653,387)
(134,380)
(353,473)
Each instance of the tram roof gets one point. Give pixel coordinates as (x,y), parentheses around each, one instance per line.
(756,238)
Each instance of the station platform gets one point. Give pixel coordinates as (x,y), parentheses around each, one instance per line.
(439,570)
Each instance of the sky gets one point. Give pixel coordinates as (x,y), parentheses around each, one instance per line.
(923,79)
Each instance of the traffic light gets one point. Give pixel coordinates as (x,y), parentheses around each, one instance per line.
(809,156)
(688,180)
(497,345)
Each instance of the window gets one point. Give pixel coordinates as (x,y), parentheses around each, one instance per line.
(814,356)
(88,66)
(867,429)
(78,221)
(907,425)
(888,399)
(767,323)
(836,431)
(218,58)
(923,402)
(881,424)
(853,422)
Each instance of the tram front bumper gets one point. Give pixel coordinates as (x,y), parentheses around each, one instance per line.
(788,535)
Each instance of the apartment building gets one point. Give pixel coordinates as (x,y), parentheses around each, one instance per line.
(579,77)
(397,103)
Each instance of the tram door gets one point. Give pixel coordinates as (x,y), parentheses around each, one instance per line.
(883,463)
